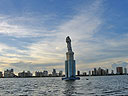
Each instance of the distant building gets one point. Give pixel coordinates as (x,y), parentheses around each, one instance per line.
(99,71)
(45,73)
(9,73)
(1,74)
(106,72)
(41,74)
(78,73)
(25,74)
(125,71)
(61,73)
(38,74)
(54,72)
(112,72)
(103,72)
(84,73)
(95,71)
(119,70)
(89,73)
(50,75)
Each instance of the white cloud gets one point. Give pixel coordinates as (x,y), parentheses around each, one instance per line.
(24,26)
(90,49)
(81,27)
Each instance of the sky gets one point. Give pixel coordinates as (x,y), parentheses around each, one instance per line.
(33,32)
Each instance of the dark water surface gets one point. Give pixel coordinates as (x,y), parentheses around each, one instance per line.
(95,86)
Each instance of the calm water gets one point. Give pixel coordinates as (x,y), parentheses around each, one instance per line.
(104,85)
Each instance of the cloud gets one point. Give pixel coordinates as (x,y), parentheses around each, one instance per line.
(39,40)
(47,52)
(25,26)
(84,24)
(120,64)
(20,66)
(80,27)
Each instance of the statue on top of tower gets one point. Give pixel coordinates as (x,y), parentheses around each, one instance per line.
(68,41)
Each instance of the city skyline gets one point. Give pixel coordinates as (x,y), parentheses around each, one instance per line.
(32,34)
(10,73)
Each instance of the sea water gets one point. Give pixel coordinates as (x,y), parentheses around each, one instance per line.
(54,86)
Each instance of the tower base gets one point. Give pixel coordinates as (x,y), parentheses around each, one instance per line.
(71,78)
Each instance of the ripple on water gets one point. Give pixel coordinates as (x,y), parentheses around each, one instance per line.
(104,85)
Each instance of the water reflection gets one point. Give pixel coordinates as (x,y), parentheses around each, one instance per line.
(69,89)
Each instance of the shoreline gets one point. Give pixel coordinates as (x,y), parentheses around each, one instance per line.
(63,76)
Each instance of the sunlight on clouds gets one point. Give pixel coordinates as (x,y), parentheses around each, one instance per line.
(3,46)
(47,43)
(12,30)
(81,27)
(8,60)
(46,53)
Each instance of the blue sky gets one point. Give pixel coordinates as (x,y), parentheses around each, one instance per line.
(33,32)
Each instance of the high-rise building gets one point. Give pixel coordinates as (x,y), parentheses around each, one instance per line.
(9,73)
(95,71)
(45,73)
(78,73)
(103,72)
(119,70)
(84,73)
(1,74)
(54,72)
(89,73)
(70,67)
(106,72)
(112,72)
(125,71)
(41,74)
(99,71)
(25,74)
(38,74)
(60,73)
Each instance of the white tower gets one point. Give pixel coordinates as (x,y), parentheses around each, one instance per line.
(70,68)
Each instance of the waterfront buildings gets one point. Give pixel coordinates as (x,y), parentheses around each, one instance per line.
(1,74)
(102,72)
(9,73)
(112,72)
(107,71)
(45,73)
(125,71)
(54,72)
(60,73)
(25,74)
(119,70)
(84,73)
(41,74)
(38,74)
(78,73)
(95,72)
(99,72)
(89,73)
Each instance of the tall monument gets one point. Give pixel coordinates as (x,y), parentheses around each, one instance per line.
(70,68)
